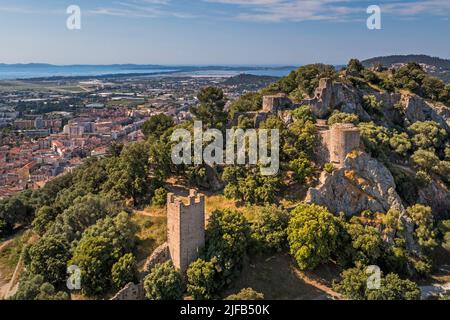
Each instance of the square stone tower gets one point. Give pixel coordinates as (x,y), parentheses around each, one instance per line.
(337,142)
(344,138)
(185,229)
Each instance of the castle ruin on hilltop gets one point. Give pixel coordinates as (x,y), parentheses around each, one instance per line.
(335,142)
(185,229)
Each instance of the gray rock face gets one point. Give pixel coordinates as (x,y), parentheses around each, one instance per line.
(362,184)
(437,196)
(417,109)
(330,96)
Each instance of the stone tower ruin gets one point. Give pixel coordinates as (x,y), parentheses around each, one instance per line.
(339,141)
(185,229)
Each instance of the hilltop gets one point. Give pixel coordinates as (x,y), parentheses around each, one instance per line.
(434,65)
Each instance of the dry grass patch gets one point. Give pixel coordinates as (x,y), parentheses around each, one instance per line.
(151,233)
(276,277)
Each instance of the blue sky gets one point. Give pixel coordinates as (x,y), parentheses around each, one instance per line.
(219,31)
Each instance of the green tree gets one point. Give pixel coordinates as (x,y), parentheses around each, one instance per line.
(366,241)
(94,257)
(124,271)
(246,294)
(303,81)
(163,283)
(157,125)
(119,230)
(409,77)
(34,287)
(211,108)
(128,175)
(427,134)
(394,288)
(43,220)
(432,87)
(227,238)
(444,228)
(400,143)
(4,229)
(372,105)
(445,94)
(250,101)
(84,212)
(425,230)
(49,257)
(343,117)
(370,76)
(354,66)
(376,138)
(302,169)
(201,280)
(426,160)
(313,235)
(354,286)
(269,229)
(160,197)
(303,114)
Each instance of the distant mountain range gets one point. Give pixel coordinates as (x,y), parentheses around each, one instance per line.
(435,66)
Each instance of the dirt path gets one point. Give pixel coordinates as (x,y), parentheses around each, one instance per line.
(13,284)
(312,281)
(149,214)
(5,244)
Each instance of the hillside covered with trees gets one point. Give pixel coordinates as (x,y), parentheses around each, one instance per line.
(85,218)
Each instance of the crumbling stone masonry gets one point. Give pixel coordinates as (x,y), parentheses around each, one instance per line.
(185,229)
(275,103)
(339,141)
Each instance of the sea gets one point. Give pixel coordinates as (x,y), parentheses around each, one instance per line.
(42,71)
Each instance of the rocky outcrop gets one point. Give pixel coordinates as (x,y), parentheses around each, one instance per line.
(437,196)
(417,109)
(362,184)
(331,95)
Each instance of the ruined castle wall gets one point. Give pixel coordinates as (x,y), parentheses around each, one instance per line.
(322,147)
(134,291)
(130,292)
(160,255)
(275,103)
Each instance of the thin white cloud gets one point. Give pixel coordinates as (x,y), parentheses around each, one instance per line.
(336,10)
(142,9)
